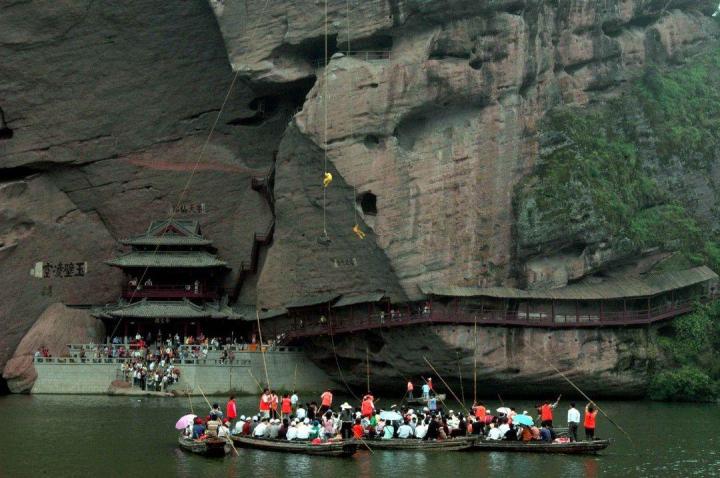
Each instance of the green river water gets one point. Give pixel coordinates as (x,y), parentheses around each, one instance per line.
(124,436)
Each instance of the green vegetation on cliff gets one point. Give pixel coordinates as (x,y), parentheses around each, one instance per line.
(621,172)
(691,346)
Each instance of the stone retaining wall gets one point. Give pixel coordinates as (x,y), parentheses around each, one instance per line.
(94,376)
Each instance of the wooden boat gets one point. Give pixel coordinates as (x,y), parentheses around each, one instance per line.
(578,447)
(339,448)
(440,397)
(452,444)
(210,447)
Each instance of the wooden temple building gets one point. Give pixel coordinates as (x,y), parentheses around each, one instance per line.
(172,283)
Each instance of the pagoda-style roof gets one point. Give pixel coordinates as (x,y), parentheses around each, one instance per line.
(181,309)
(609,289)
(169,259)
(175,232)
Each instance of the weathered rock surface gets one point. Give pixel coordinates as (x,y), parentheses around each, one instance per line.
(443,129)
(603,363)
(56,327)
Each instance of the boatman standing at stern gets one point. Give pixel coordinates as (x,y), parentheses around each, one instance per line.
(410,389)
(230,409)
(326,401)
(573,419)
(367,407)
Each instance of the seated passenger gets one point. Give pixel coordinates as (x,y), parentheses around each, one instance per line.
(405,430)
(358,430)
(303,429)
(212,426)
(421,429)
(494,433)
(261,431)
(198,429)
(511,434)
(292,431)
(388,431)
(546,434)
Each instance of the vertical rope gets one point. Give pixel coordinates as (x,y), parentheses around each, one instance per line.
(347,15)
(325,122)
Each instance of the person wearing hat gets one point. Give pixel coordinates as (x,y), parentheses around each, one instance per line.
(261,430)
(303,429)
(253,425)
(238,428)
(292,431)
(274,428)
(346,419)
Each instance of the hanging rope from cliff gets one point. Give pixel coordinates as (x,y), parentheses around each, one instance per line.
(327,176)
(200,156)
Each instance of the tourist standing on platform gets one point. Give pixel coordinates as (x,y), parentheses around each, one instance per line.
(294,400)
(231,409)
(590,414)
(573,420)
(546,412)
(326,401)
(410,389)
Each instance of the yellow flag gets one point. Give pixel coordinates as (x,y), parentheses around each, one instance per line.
(358,232)
(327,179)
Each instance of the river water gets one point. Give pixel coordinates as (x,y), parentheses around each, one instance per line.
(124,436)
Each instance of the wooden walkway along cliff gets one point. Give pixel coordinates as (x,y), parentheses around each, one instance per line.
(615,302)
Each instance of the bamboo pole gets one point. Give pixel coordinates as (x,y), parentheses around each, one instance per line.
(581,392)
(462,388)
(367,366)
(446,385)
(475,365)
(262,351)
(228,439)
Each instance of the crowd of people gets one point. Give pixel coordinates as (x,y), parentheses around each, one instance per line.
(287,418)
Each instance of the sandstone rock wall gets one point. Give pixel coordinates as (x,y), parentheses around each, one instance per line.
(56,327)
(443,129)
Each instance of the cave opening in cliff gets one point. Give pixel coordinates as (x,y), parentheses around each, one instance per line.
(5,131)
(368,203)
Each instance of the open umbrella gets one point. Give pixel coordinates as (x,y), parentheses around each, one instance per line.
(523,420)
(185,421)
(503,410)
(390,416)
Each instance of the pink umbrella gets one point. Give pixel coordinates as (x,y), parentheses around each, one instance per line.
(185,421)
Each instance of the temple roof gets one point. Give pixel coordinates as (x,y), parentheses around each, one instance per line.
(176,232)
(613,288)
(170,259)
(181,309)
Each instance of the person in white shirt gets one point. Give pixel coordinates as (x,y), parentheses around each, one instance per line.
(260,430)
(405,430)
(494,433)
(292,431)
(223,431)
(453,422)
(573,419)
(303,430)
(300,413)
(503,429)
(421,430)
(294,400)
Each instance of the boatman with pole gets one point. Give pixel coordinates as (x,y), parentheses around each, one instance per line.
(546,412)
(326,401)
(231,409)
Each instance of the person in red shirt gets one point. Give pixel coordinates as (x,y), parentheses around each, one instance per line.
(590,414)
(480,412)
(358,430)
(410,389)
(546,414)
(326,403)
(231,409)
(367,407)
(265,399)
(286,405)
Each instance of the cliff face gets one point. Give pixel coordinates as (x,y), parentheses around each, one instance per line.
(430,129)
(444,122)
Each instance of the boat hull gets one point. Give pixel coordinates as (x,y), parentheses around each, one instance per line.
(338,449)
(453,444)
(213,448)
(580,447)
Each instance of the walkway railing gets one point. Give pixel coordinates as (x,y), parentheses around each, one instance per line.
(468,317)
(365,55)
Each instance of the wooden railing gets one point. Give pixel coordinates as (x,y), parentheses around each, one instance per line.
(250,266)
(468,317)
(365,55)
(173,291)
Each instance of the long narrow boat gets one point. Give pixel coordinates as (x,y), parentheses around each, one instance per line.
(341,448)
(578,447)
(421,400)
(452,444)
(210,447)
